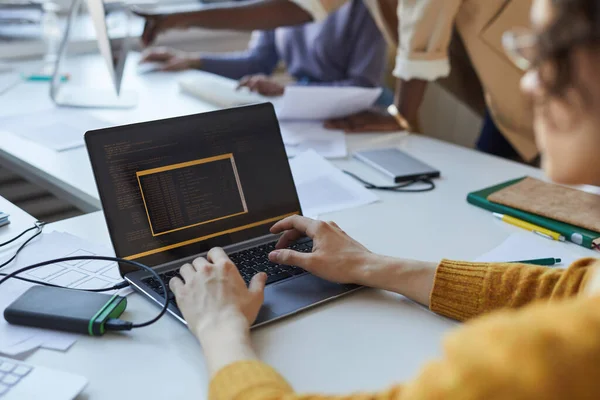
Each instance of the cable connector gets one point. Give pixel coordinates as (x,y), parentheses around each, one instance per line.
(115,324)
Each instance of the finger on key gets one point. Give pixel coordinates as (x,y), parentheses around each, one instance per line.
(217,255)
(291,257)
(187,271)
(199,262)
(304,225)
(175,284)
(288,238)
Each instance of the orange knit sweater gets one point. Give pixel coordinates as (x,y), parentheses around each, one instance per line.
(547,350)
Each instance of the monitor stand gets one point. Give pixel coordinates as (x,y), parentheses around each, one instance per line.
(78,96)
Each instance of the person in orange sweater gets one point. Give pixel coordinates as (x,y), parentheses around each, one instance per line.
(545,321)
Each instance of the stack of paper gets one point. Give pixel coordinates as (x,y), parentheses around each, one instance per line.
(301,136)
(75,274)
(323,188)
(319,103)
(4,219)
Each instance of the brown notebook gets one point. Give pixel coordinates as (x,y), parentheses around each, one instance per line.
(564,204)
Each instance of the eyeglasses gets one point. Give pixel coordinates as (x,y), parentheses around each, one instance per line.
(520,44)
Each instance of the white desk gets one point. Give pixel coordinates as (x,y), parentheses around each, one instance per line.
(331,348)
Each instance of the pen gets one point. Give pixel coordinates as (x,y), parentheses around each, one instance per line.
(44,77)
(538,230)
(540,261)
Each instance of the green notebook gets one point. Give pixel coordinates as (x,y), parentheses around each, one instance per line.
(580,236)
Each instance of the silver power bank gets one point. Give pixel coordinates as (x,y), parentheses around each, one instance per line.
(396,164)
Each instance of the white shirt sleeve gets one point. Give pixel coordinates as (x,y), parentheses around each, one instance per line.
(427,70)
(424,33)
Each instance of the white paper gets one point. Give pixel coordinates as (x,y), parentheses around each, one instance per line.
(326,148)
(528,246)
(318,103)
(53,340)
(22,347)
(301,136)
(323,188)
(57,129)
(298,103)
(77,274)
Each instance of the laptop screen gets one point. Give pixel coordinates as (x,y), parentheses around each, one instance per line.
(177,187)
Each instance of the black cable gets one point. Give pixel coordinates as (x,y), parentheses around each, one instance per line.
(39,225)
(397,188)
(120,285)
(115,323)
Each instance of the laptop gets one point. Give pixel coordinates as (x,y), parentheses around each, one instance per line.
(172,189)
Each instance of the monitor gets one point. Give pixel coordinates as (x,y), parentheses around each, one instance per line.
(113,50)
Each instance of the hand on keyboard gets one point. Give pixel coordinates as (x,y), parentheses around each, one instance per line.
(255,260)
(337,257)
(212,295)
(249,263)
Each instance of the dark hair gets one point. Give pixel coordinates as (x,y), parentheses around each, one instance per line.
(576,25)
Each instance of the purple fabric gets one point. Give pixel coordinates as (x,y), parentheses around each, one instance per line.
(346,49)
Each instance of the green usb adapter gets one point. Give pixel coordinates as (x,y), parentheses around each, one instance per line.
(66,310)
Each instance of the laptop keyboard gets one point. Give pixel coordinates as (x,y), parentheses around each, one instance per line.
(249,262)
(11,373)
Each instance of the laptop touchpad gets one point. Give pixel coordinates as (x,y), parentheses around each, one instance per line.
(296,294)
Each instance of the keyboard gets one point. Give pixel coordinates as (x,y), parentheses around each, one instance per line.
(20,381)
(11,374)
(249,262)
(218,90)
